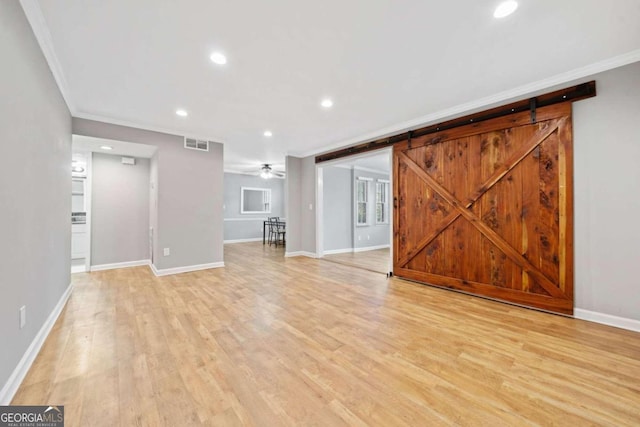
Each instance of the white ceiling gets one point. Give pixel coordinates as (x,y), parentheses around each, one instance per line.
(388,65)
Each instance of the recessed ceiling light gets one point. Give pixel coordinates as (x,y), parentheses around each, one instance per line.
(218,58)
(182,113)
(106,147)
(268,133)
(327,103)
(505,8)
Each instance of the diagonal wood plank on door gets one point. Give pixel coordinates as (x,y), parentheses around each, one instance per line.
(525,149)
(512,188)
(507,249)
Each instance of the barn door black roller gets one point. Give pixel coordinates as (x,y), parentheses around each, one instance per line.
(533,104)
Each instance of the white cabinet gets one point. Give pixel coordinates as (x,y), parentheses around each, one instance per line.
(79,241)
(77,186)
(77,195)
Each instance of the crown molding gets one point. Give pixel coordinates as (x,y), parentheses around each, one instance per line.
(35,17)
(514,94)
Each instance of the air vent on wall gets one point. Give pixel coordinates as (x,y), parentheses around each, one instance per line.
(196,144)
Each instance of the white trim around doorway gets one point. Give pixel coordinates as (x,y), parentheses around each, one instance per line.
(320,203)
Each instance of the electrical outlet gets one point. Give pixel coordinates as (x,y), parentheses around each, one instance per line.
(167,251)
(359,238)
(368,237)
(23,316)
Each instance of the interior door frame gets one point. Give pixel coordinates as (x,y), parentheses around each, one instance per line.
(319,173)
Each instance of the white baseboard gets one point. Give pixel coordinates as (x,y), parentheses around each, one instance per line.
(607,319)
(78,269)
(18,374)
(338,251)
(256,239)
(371,248)
(127,264)
(186,269)
(300,253)
(353,250)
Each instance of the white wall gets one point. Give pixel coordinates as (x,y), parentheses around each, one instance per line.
(35,191)
(120,210)
(607,195)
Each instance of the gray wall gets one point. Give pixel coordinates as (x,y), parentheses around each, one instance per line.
(337,213)
(607,186)
(190,191)
(153,205)
(120,210)
(293,203)
(300,204)
(372,234)
(308,208)
(35,188)
(239,226)
(339,221)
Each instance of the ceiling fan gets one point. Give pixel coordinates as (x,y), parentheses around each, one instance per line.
(266,172)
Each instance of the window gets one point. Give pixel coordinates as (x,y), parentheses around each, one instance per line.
(361,201)
(382,201)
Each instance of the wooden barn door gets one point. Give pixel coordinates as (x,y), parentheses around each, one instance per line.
(487,208)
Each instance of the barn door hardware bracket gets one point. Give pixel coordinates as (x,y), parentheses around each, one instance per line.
(410,133)
(533,105)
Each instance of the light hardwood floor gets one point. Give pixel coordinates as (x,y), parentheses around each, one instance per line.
(274,341)
(378,261)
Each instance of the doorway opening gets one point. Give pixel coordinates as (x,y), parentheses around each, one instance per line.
(80,211)
(113,203)
(354,222)
(254,210)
